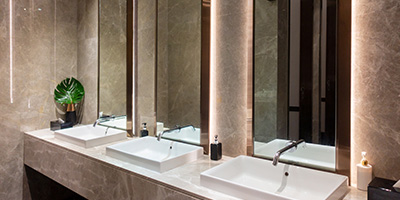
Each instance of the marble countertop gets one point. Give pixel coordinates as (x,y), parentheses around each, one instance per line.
(186,177)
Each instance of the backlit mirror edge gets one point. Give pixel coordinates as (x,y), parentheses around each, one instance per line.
(205,75)
(131,65)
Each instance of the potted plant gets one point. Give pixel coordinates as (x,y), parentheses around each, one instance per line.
(70,91)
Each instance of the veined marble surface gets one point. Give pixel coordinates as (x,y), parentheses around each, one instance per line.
(88,56)
(183,181)
(375,89)
(88,177)
(228,73)
(145,97)
(112,71)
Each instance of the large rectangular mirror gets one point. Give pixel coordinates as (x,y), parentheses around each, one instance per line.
(182,70)
(113,63)
(295,81)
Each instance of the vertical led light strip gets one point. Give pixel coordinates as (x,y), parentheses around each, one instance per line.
(11,53)
(213,81)
(54,48)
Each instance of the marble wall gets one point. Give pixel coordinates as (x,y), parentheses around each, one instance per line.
(178,69)
(50,40)
(231,28)
(146,66)
(376,87)
(44,52)
(162,63)
(39,62)
(88,56)
(265,70)
(112,70)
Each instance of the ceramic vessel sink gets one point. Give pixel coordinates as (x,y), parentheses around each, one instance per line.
(159,156)
(187,135)
(252,178)
(88,136)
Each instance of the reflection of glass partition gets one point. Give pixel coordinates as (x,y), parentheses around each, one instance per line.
(268,79)
(294,83)
(112,57)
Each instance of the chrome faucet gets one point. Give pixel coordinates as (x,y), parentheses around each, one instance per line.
(174,129)
(292,144)
(96,122)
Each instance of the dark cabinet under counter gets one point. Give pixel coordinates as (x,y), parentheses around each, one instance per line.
(382,189)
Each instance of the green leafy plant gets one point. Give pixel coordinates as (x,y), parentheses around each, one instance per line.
(69,91)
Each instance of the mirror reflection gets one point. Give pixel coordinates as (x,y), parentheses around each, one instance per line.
(179,70)
(112,63)
(294,82)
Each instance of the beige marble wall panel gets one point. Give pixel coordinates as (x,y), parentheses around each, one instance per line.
(112,93)
(66,46)
(146,65)
(266,70)
(92,179)
(10,143)
(11,161)
(230,61)
(87,16)
(38,56)
(32,89)
(162,63)
(88,56)
(376,87)
(44,52)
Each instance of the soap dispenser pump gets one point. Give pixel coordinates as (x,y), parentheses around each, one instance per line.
(216,149)
(144,132)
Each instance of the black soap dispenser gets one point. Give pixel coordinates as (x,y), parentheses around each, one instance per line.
(216,149)
(144,131)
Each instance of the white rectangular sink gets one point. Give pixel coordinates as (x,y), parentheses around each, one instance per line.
(252,178)
(159,156)
(88,136)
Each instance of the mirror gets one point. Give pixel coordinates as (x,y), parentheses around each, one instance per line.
(182,70)
(295,82)
(112,63)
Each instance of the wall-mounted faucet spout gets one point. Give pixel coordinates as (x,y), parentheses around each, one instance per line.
(96,122)
(291,145)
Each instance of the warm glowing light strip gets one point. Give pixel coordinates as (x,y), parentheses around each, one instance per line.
(11,53)
(213,56)
(55,44)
